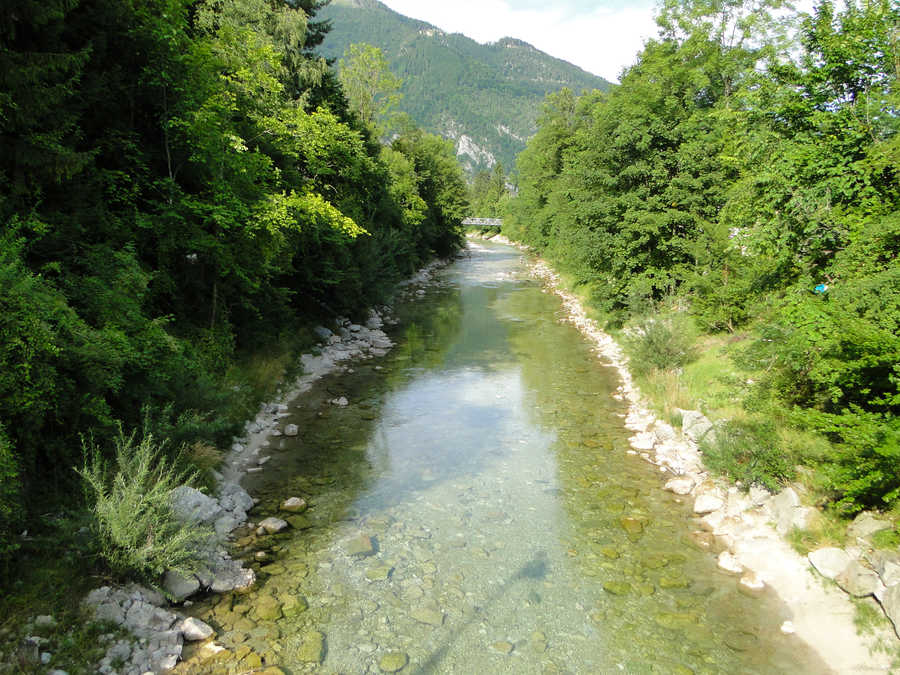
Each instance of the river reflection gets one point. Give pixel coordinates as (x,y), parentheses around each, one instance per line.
(473,510)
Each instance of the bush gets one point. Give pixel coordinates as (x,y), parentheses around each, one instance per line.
(749,452)
(661,343)
(10,508)
(138,532)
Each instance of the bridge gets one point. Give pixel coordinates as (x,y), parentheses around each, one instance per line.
(496,222)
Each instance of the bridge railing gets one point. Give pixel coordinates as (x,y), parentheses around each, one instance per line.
(483,221)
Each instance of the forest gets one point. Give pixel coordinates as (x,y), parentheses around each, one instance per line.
(184,193)
(740,190)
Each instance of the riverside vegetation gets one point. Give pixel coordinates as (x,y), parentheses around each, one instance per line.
(184,192)
(731,209)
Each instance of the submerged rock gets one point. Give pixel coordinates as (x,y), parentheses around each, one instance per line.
(291,430)
(273,525)
(427,615)
(194,629)
(294,505)
(312,648)
(393,662)
(360,546)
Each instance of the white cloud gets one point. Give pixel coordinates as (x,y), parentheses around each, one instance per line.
(602,40)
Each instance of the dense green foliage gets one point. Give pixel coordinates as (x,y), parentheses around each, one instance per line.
(181,182)
(489,193)
(758,183)
(455,86)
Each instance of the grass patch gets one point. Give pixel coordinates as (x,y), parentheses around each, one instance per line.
(749,451)
(829,530)
(661,343)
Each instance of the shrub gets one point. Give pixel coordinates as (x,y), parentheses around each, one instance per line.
(748,451)
(138,532)
(10,508)
(661,343)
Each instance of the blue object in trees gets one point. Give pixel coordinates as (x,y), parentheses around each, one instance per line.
(821,288)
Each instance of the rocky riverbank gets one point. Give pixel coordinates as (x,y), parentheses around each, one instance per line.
(158,631)
(747,529)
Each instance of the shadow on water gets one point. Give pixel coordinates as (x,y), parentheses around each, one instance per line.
(536,569)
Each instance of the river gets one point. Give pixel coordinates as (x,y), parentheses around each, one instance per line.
(474,510)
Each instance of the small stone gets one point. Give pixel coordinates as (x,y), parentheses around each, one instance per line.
(503,647)
(427,615)
(312,649)
(360,546)
(707,503)
(294,505)
(290,430)
(680,486)
(194,629)
(393,662)
(299,522)
(617,587)
(751,585)
(829,562)
(729,563)
(741,640)
(705,541)
(379,572)
(273,525)
(788,628)
(633,526)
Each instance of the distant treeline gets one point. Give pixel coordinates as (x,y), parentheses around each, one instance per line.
(748,169)
(181,183)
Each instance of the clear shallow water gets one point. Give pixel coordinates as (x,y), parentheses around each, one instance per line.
(511,532)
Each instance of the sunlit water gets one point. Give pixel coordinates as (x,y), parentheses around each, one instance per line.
(486,460)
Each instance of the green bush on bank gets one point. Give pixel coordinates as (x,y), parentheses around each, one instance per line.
(130,499)
(749,451)
(661,342)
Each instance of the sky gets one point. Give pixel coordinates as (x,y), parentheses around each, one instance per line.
(600,36)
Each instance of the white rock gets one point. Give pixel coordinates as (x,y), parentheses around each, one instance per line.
(729,563)
(644,440)
(891,605)
(788,628)
(695,425)
(191,505)
(341,402)
(294,505)
(195,629)
(751,583)
(291,430)
(680,486)
(273,525)
(829,562)
(707,503)
(44,621)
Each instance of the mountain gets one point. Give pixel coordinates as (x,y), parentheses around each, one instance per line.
(485,97)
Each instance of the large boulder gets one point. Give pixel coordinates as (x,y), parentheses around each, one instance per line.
(788,512)
(829,562)
(178,586)
(192,506)
(859,581)
(866,524)
(695,425)
(891,605)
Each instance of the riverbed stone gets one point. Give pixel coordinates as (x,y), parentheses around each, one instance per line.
(194,629)
(294,505)
(705,541)
(393,662)
(680,486)
(427,615)
(267,608)
(503,647)
(632,526)
(379,572)
(829,561)
(751,584)
(292,605)
(617,587)
(272,525)
(178,586)
(707,503)
(312,647)
(360,546)
(291,430)
(729,563)
(858,580)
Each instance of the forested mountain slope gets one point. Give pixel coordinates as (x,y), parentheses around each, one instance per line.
(485,97)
